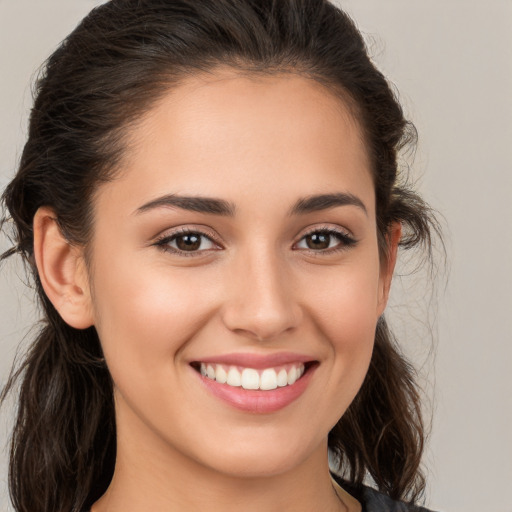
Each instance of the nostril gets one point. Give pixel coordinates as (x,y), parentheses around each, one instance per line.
(262,314)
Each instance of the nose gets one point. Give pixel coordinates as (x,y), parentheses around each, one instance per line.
(262,302)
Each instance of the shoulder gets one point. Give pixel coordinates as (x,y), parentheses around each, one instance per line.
(374,501)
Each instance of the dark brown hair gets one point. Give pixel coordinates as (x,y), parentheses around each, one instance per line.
(115,65)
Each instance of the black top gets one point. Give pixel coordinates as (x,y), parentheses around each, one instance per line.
(374,501)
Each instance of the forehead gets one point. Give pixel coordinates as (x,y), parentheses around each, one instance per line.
(217,133)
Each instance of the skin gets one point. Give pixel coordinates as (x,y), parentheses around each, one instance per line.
(260,144)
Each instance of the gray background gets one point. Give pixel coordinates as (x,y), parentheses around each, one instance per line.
(452,63)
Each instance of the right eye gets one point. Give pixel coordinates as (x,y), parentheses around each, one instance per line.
(186,243)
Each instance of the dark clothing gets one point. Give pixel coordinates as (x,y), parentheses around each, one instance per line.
(374,501)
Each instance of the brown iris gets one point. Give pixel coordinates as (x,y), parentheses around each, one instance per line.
(318,240)
(188,242)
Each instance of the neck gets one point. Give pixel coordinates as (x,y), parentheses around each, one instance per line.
(159,478)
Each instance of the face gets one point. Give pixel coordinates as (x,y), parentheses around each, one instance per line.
(238,246)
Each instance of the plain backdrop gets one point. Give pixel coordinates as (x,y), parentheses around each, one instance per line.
(451,60)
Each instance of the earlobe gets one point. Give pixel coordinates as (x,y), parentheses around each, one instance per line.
(388,265)
(62,271)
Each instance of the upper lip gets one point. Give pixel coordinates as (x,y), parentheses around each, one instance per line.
(257,361)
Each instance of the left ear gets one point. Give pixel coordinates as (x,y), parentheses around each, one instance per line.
(388,265)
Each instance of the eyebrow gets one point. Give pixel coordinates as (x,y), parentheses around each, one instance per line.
(192,203)
(325,201)
(221,207)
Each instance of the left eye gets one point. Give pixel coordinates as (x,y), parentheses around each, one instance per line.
(187,242)
(324,240)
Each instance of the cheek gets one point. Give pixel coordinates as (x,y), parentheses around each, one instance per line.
(146,315)
(346,306)
(345,310)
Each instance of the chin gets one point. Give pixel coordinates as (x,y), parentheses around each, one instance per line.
(261,459)
(255,466)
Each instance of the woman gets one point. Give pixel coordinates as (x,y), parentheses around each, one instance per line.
(210,204)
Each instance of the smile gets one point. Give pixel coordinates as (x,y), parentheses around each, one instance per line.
(256,384)
(250,378)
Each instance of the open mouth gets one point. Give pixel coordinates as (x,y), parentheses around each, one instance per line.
(265,379)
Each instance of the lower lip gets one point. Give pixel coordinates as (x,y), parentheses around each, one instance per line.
(257,401)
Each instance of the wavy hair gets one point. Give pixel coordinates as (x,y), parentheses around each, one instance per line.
(123,57)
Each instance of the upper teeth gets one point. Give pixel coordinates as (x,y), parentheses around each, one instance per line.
(249,378)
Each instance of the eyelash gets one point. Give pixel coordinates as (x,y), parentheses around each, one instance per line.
(164,241)
(345,241)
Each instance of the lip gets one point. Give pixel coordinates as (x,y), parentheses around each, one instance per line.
(258,401)
(257,361)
